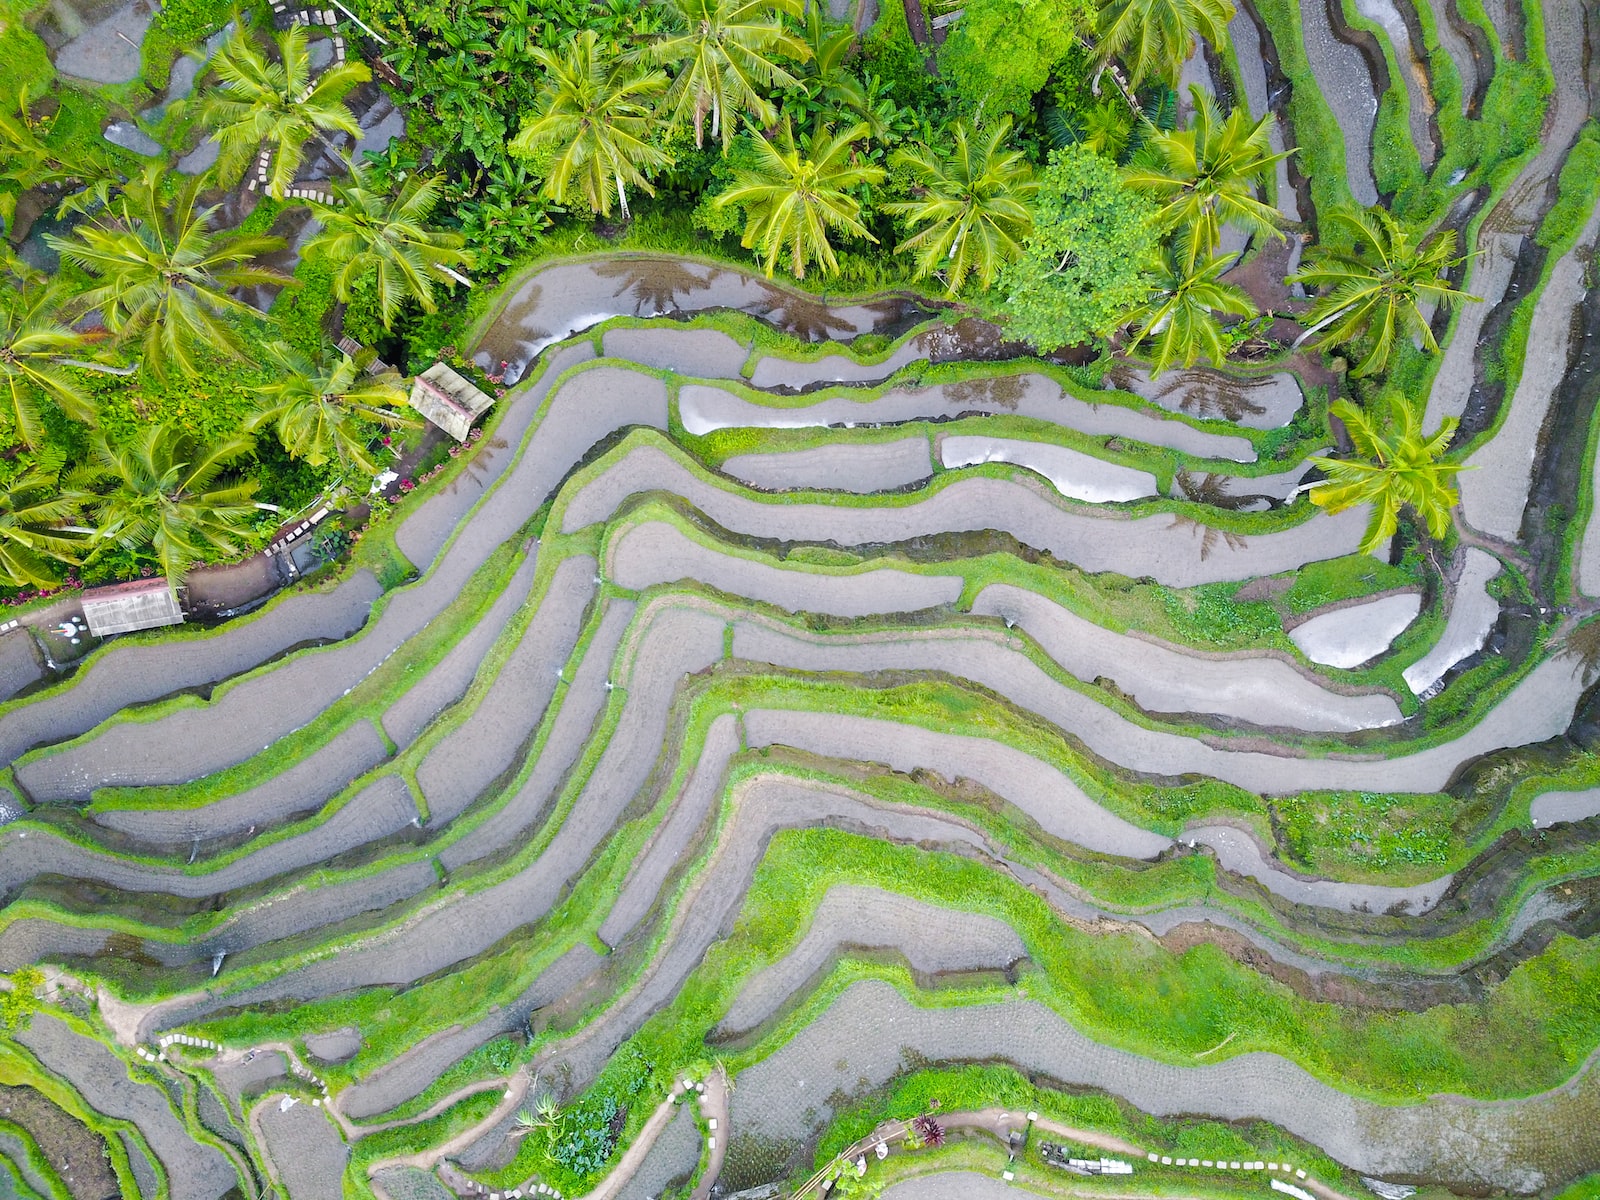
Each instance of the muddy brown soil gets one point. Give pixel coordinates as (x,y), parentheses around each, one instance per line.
(63,1140)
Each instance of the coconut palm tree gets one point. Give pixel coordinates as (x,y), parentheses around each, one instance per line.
(1154,38)
(37,535)
(828,83)
(1204,177)
(32,343)
(724,54)
(1179,320)
(163,275)
(318,406)
(275,102)
(797,192)
(593,109)
(366,233)
(973,202)
(1376,289)
(1402,469)
(168,492)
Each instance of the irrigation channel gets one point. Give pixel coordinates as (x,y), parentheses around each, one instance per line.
(822,691)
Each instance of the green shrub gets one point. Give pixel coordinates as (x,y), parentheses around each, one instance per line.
(27,61)
(302,312)
(1578,190)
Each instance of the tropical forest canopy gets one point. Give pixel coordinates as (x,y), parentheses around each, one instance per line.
(1037,165)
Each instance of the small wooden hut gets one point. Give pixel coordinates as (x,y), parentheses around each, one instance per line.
(124,607)
(449,400)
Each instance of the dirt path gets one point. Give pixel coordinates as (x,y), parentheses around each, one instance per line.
(633,1157)
(516,1090)
(714,1108)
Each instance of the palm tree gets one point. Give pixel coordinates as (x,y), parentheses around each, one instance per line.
(164,275)
(170,493)
(593,109)
(1204,177)
(36,534)
(828,83)
(973,202)
(1154,38)
(366,233)
(1180,317)
(725,52)
(796,193)
(32,341)
(1377,288)
(317,407)
(1401,470)
(278,103)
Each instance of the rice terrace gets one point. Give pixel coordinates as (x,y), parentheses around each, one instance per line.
(687,599)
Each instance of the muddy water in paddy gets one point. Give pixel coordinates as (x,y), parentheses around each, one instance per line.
(870,1034)
(565,299)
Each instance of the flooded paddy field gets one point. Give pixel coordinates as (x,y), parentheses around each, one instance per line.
(809,723)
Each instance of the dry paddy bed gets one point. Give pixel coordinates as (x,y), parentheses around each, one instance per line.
(357,794)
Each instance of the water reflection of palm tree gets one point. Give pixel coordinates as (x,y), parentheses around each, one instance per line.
(1208,488)
(995,391)
(657,285)
(1209,535)
(1202,394)
(804,317)
(1582,644)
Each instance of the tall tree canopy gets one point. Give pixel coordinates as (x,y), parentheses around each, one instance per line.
(275,101)
(167,491)
(594,112)
(1000,53)
(725,55)
(1205,177)
(1085,264)
(32,342)
(1179,322)
(325,408)
(368,234)
(36,531)
(1154,38)
(163,275)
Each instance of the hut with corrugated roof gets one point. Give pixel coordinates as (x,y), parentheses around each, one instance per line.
(449,400)
(125,607)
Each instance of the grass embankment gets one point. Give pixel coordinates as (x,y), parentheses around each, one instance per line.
(377,692)
(1476,152)
(21,1160)
(975,1088)
(1531,1032)
(1209,616)
(429,1000)
(1578,190)
(1118,886)
(19,1068)
(1120,989)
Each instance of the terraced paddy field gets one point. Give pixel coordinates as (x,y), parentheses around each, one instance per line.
(803,733)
